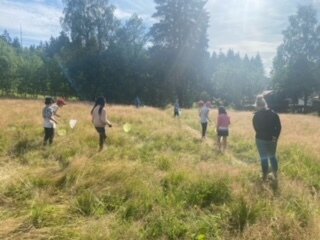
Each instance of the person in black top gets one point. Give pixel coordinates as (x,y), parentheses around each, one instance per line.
(267,126)
(176,109)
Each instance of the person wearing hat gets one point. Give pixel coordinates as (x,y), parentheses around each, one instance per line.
(56,106)
(49,121)
(100,120)
(267,126)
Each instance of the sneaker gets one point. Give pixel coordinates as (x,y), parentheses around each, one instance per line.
(275,175)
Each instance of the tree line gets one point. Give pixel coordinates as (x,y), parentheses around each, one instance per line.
(296,67)
(98,54)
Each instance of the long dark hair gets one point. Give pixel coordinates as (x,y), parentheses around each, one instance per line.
(101,101)
(222,110)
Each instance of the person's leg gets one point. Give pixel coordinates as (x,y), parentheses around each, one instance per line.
(224,142)
(262,149)
(272,147)
(46,136)
(102,136)
(51,135)
(204,128)
(219,142)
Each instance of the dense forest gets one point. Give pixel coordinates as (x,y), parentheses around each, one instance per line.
(98,54)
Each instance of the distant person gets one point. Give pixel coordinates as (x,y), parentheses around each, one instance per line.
(267,126)
(223,122)
(100,120)
(49,121)
(176,109)
(137,102)
(204,117)
(56,106)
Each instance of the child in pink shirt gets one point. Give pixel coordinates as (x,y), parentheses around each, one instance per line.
(223,123)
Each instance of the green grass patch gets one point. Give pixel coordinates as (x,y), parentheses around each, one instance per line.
(298,164)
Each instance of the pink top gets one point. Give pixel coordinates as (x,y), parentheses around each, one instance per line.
(223,121)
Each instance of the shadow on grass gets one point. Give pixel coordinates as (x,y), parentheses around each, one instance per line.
(23,146)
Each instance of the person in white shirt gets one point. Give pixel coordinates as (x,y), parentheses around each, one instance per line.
(56,106)
(49,121)
(204,117)
(100,120)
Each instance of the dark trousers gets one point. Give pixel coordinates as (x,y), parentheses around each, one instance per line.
(204,128)
(102,136)
(48,136)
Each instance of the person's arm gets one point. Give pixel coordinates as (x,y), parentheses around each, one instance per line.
(104,118)
(109,123)
(55,110)
(50,115)
(277,126)
(254,123)
(52,119)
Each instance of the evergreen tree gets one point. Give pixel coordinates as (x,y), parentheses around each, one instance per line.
(89,22)
(8,66)
(237,80)
(298,57)
(92,27)
(180,43)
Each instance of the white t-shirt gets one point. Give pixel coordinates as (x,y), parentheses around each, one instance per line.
(204,114)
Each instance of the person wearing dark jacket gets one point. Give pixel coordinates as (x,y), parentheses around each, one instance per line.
(267,126)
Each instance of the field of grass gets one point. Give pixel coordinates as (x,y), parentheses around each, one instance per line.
(158,181)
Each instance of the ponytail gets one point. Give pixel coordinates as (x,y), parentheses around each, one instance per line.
(101,102)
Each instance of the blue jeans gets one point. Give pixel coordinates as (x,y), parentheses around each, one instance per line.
(267,151)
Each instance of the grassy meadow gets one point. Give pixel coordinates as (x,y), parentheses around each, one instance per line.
(158,181)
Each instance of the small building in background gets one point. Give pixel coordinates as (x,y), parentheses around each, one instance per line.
(316,104)
(279,103)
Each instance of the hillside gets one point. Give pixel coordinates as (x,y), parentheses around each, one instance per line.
(158,181)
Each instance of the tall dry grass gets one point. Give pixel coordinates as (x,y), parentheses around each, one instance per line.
(158,181)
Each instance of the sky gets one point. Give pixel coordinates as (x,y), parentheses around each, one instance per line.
(246,26)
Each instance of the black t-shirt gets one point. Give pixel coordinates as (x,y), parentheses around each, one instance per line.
(267,124)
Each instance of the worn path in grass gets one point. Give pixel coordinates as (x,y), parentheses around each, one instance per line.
(150,183)
(232,159)
(211,144)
